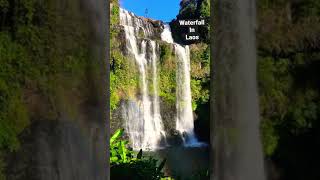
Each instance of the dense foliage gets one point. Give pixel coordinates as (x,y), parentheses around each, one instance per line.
(192,9)
(167,80)
(289,56)
(42,70)
(124,165)
(123,77)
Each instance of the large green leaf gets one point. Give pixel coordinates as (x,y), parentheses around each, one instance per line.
(116,135)
(114,159)
(123,152)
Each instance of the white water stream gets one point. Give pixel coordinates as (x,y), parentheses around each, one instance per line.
(184,118)
(145,129)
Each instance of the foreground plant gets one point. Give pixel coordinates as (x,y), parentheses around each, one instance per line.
(125,165)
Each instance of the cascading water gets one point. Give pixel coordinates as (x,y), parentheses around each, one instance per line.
(142,116)
(156,108)
(166,34)
(184,121)
(143,123)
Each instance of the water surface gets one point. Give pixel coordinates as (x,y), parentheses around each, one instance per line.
(184,162)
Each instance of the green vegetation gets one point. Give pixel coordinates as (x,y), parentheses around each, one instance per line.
(288,78)
(123,77)
(13,114)
(43,72)
(200,73)
(192,9)
(124,165)
(167,80)
(127,164)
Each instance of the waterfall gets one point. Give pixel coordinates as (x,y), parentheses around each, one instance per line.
(143,123)
(156,107)
(184,119)
(184,122)
(166,35)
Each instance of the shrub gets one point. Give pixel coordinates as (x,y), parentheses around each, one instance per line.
(124,165)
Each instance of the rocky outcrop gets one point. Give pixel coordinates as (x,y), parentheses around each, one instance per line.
(153,28)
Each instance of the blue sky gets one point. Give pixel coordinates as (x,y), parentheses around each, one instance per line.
(164,10)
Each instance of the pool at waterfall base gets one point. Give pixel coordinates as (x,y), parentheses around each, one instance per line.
(183,162)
